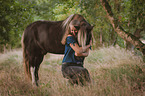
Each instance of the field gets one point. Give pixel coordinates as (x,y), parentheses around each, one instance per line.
(114,72)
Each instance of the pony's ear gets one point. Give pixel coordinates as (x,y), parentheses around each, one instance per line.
(77,27)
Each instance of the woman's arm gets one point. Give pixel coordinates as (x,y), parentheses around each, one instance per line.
(80,50)
(85,54)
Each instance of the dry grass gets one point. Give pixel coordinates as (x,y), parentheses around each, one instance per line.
(114,72)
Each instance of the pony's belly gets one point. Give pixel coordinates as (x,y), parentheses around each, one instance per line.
(56,49)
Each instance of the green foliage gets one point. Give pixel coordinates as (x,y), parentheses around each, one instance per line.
(130,13)
(17,14)
(62,11)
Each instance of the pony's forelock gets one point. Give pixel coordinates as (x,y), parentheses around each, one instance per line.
(82,37)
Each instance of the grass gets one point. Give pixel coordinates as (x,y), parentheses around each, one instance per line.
(114,72)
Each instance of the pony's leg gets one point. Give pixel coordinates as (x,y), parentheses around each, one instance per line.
(36,74)
(34,69)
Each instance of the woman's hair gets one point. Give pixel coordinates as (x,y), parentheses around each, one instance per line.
(72,23)
(81,37)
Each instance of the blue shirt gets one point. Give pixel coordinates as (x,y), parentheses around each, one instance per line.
(69,54)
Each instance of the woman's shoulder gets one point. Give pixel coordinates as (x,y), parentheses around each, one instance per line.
(70,39)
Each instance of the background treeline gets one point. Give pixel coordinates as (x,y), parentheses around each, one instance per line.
(15,15)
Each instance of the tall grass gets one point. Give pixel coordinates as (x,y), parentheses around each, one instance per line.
(114,72)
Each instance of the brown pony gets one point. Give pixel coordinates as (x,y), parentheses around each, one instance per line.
(41,37)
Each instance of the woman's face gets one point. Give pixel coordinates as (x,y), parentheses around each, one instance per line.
(74,29)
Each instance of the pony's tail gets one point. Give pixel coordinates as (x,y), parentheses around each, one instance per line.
(25,60)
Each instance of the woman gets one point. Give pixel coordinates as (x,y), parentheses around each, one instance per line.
(72,64)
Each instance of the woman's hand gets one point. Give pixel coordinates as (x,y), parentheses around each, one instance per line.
(85,54)
(84,49)
(78,49)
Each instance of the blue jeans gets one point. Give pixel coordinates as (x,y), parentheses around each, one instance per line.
(76,73)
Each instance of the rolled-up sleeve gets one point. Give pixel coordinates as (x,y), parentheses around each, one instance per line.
(70,40)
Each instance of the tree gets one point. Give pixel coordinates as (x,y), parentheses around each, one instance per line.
(14,16)
(17,14)
(120,31)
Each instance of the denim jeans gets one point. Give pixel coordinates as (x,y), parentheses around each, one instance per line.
(76,73)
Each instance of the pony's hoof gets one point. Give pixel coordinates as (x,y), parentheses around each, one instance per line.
(35,84)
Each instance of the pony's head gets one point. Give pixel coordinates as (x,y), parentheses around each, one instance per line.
(84,29)
(84,36)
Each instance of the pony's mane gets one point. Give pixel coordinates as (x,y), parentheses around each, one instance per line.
(67,21)
(82,38)
(65,26)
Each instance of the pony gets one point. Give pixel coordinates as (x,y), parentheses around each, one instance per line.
(41,37)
